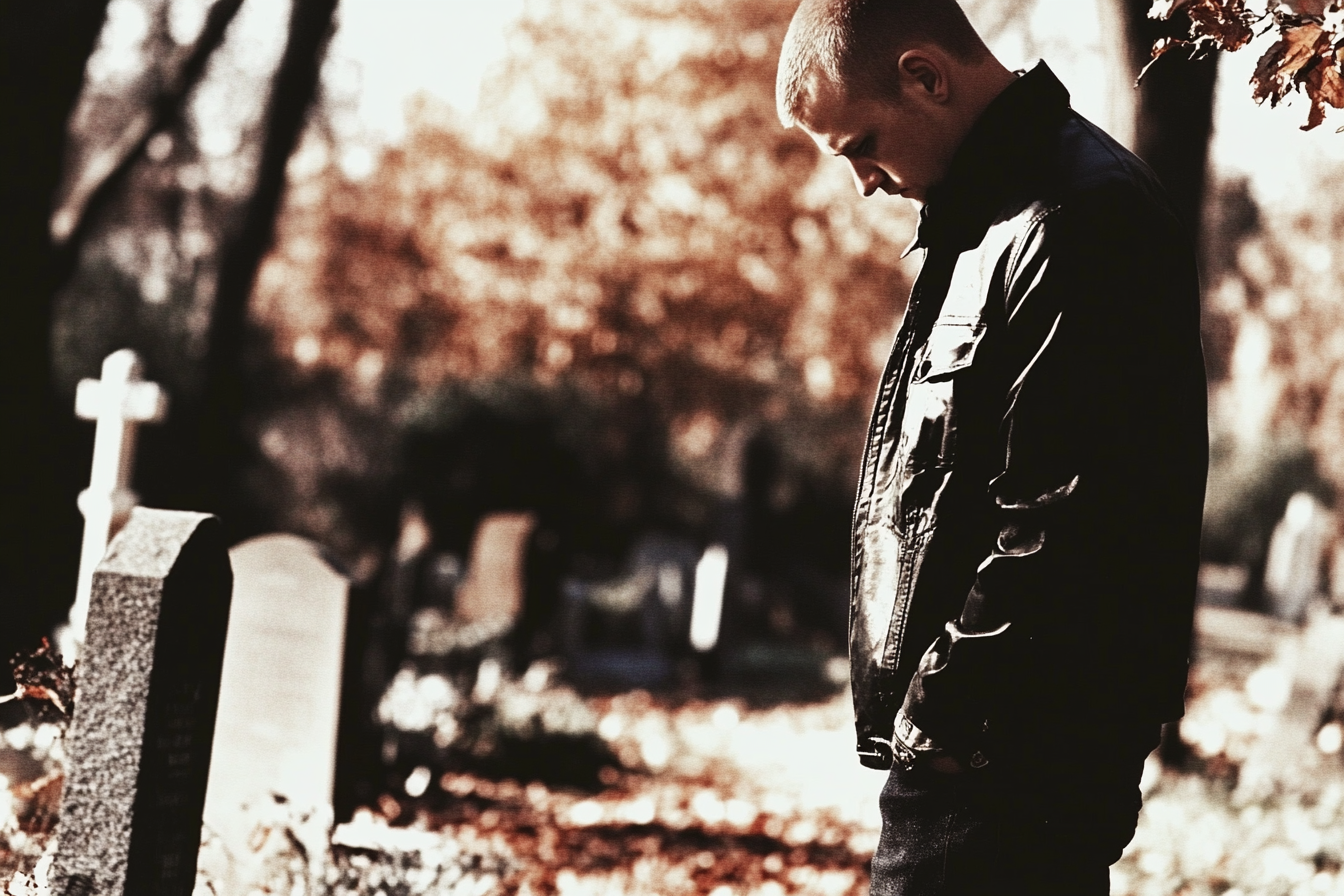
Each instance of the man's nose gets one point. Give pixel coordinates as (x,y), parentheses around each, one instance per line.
(867,176)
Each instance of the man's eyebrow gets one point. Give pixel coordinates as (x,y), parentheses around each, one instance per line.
(848,145)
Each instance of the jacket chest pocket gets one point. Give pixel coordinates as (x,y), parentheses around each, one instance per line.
(928,438)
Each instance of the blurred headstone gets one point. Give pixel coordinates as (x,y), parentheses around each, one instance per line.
(413,541)
(280,697)
(1308,665)
(1296,552)
(1221,585)
(629,629)
(1226,630)
(138,750)
(707,604)
(492,590)
(1337,575)
(118,402)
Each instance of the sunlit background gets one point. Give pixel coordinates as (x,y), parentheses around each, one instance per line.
(411,272)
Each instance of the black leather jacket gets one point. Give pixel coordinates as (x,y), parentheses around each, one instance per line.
(1026,532)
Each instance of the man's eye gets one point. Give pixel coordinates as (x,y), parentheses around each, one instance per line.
(862,147)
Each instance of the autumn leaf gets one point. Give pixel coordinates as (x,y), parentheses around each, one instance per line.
(1226,24)
(1324,85)
(1162,10)
(1214,25)
(1296,61)
(42,675)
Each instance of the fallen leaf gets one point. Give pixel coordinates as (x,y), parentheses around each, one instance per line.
(42,675)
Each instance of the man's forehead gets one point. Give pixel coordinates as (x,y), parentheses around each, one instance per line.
(827,113)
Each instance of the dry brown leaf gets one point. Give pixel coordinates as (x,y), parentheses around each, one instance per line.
(1286,63)
(1325,86)
(1224,23)
(1165,9)
(41,675)
(1214,25)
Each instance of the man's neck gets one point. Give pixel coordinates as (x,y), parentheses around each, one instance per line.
(980,85)
(983,83)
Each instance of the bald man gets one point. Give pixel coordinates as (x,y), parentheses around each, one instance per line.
(1026,532)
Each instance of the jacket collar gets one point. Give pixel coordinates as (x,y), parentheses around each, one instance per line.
(1004,145)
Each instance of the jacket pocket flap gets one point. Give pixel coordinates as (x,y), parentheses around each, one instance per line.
(950,347)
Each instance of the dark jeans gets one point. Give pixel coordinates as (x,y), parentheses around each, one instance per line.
(1037,829)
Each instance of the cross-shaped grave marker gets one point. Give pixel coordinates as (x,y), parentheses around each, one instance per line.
(118,402)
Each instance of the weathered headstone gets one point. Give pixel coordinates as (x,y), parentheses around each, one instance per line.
(280,696)
(118,402)
(493,588)
(138,750)
(1296,553)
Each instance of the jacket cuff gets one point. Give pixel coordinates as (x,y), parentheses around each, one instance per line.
(910,736)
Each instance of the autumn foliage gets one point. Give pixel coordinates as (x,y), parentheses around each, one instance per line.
(1308,57)
(626,218)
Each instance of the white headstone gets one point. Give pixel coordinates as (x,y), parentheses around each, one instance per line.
(707,599)
(280,695)
(1296,553)
(118,402)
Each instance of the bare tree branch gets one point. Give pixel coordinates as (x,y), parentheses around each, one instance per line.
(294,87)
(93,188)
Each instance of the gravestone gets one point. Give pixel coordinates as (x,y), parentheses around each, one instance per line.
(492,591)
(118,402)
(486,603)
(1336,575)
(629,629)
(280,695)
(707,602)
(138,749)
(1296,553)
(1310,661)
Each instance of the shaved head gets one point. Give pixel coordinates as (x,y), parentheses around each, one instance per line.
(856,44)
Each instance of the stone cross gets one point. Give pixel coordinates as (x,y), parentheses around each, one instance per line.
(280,697)
(138,749)
(118,402)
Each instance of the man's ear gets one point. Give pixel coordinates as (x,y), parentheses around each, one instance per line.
(927,70)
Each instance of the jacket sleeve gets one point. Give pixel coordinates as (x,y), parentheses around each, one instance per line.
(1095,487)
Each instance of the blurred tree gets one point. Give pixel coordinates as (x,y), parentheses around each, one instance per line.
(631,223)
(219,447)
(183,135)
(1174,118)
(43,48)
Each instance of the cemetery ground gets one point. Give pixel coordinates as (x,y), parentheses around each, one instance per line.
(697,793)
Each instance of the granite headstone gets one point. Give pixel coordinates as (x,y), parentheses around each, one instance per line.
(138,749)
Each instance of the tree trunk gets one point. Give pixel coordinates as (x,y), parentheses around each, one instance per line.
(1174,119)
(220,445)
(1173,124)
(44,47)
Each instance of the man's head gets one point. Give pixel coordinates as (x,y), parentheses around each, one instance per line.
(891,85)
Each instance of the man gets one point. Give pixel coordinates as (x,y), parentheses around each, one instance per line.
(1027,525)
